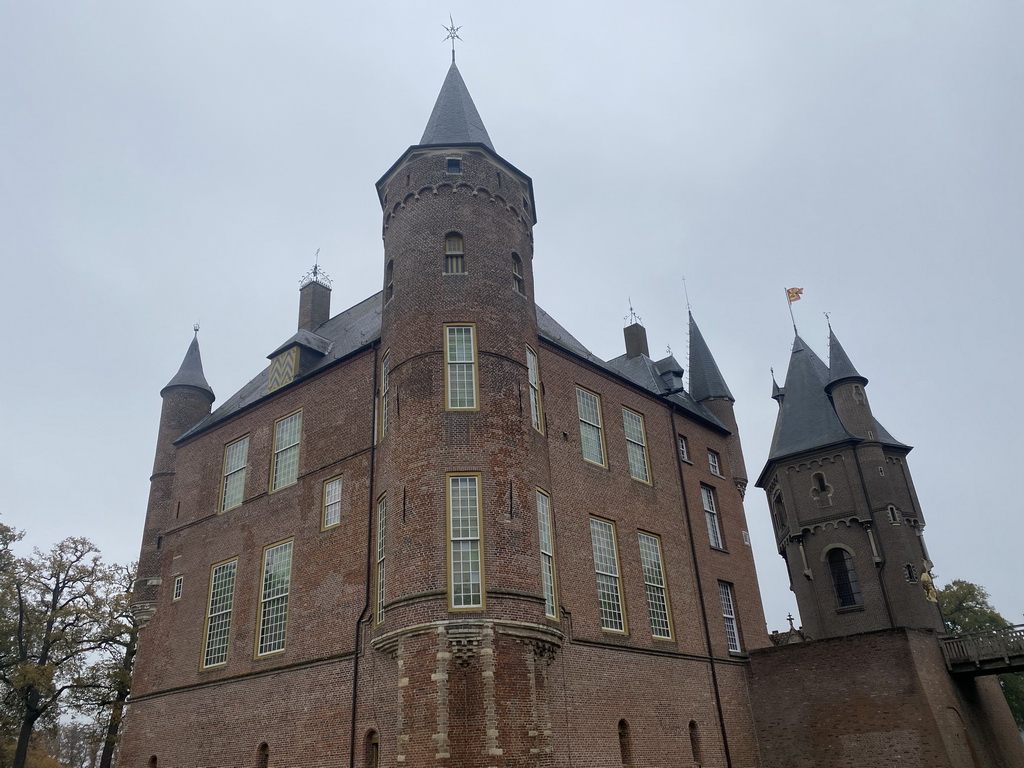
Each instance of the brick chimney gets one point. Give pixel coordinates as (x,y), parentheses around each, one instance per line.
(314,305)
(636,340)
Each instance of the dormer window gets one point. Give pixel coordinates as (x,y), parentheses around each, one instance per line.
(454,165)
(454,257)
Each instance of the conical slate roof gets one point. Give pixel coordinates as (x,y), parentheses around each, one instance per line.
(839,365)
(706,381)
(806,417)
(454,119)
(190,374)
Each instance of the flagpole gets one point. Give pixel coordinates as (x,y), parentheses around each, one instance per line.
(789,301)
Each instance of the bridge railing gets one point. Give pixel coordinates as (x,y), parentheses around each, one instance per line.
(992,651)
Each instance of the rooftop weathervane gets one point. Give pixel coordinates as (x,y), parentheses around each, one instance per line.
(316,275)
(453,34)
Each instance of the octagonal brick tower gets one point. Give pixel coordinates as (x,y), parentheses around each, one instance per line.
(458,594)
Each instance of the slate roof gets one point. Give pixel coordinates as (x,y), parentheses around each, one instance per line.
(706,380)
(358,327)
(454,119)
(839,365)
(190,373)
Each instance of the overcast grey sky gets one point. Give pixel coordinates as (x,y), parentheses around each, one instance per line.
(163,163)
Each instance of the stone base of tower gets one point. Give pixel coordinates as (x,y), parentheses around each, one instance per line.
(873,699)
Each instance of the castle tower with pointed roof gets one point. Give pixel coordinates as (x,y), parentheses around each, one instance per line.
(846,516)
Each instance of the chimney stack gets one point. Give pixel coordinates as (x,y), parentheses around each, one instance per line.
(636,340)
(314,305)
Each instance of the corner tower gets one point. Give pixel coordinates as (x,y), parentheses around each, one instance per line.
(846,516)
(458,599)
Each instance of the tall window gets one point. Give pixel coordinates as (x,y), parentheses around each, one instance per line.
(385,386)
(533,374)
(654,582)
(277,577)
(684,451)
(454,257)
(713,463)
(382,509)
(287,432)
(732,632)
(547,553)
(466,567)
(389,281)
(591,436)
(625,745)
(844,577)
(179,585)
(460,354)
(636,446)
(218,616)
(707,495)
(332,502)
(778,511)
(233,485)
(517,274)
(606,565)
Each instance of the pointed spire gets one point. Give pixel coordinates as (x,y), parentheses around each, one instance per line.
(454,119)
(190,374)
(777,392)
(840,368)
(706,381)
(806,418)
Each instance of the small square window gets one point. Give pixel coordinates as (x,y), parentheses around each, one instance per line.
(714,464)
(454,165)
(178,585)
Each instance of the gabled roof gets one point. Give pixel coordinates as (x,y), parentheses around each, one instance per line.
(706,380)
(454,119)
(190,373)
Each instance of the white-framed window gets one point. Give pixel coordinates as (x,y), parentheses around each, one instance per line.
(332,502)
(714,464)
(518,284)
(684,450)
(179,585)
(636,446)
(218,614)
(382,513)
(707,495)
(385,386)
(287,432)
(654,582)
(732,632)
(591,431)
(454,256)
(276,587)
(547,554)
(606,566)
(232,487)
(465,551)
(460,358)
(533,376)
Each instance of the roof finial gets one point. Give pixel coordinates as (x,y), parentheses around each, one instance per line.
(316,275)
(195,327)
(453,34)
(633,317)
(828,320)
(686,293)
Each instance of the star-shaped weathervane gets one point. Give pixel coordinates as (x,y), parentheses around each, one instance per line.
(453,34)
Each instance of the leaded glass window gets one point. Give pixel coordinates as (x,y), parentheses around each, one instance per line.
(533,375)
(277,575)
(654,582)
(287,432)
(460,354)
(591,437)
(332,502)
(636,446)
(466,568)
(218,616)
(547,554)
(732,634)
(233,485)
(606,566)
(382,509)
(707,495)
(385,386)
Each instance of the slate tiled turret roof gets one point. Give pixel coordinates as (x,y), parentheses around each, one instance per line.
(190,373)
(840,368)
(706,381)
(454,119)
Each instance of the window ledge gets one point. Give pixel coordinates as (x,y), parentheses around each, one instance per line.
(850,609)
(719,549)
(739,654)
(686,461)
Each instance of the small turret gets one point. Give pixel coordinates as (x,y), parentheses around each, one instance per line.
(846,388)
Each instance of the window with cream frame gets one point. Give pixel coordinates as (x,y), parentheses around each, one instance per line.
(533,377)
(654,583)
(465,542)
(284,470)
(232,487)
(732,630)
(707,496)
(385,386)
(332,503)
(591,426)
(461,372)
(547,554)
(606,568)
(382,509)
(218,614)
(636,446)
(274,594)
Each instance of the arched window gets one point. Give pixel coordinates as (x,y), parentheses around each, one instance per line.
(779,511)
(263,756)
(152,762)
(372,750)
(517,274)
(894,515)
(821,491)
(844,577)
(625,745)
(454,257)
(389,281)
(694,742)
(819,482)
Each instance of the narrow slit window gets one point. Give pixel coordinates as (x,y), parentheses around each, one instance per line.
(389,281)
(382,509)
(464,544)
(606,567)
(287,432)
(179,582)
(233,484)
(533,375)
(385,387)
(654,582)
(547,554)
(591,431)
(454,256)
(218,615)
(636,446)
(460,354)
(277,577)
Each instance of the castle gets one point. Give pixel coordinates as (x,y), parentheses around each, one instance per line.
(437,530)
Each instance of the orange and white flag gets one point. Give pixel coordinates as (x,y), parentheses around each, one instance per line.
(793,294)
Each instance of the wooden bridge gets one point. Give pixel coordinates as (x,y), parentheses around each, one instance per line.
(992,652)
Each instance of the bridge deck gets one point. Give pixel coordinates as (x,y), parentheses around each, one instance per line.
(985,653)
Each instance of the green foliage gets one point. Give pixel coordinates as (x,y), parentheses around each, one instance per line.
(966,608)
